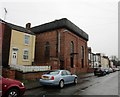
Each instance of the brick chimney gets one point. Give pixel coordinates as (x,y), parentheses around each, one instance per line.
(28,26)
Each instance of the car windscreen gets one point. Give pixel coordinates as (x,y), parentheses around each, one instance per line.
(53,72)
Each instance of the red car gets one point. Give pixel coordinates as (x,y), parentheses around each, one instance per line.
(11,88)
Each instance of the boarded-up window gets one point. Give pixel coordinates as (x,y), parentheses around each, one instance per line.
(82,56)
(47,51)
(72,54)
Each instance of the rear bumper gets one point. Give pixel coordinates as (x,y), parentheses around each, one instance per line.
(99,73)
(48,82)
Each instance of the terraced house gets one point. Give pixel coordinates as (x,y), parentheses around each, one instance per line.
(61,45)
(18,45)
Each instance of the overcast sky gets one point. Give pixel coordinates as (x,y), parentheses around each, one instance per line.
(98,18)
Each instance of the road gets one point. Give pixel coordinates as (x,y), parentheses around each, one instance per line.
(106,85)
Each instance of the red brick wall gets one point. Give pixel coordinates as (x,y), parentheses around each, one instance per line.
(41,40)
(8,73)
(6,45)
(28,76)
(67,37)
(1,37)
(90,70)
(65,40)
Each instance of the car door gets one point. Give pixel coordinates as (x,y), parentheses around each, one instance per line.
(65,77)
(70,77)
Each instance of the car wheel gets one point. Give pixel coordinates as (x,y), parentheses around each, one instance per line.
(75,81)
(61,84)
(13,93)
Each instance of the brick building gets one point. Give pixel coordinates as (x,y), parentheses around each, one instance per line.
(2,28)
(62,45)
(1,36)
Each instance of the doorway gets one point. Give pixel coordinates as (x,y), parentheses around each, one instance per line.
(14,56)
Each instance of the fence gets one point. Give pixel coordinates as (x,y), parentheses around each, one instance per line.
(30,68)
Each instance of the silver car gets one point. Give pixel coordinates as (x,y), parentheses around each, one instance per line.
(58,78)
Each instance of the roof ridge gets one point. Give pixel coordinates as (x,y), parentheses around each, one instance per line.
(17,27)
(61,23)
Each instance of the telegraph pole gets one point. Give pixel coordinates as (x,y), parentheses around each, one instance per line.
(5,13)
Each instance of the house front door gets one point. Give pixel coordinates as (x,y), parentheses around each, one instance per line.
(14,56)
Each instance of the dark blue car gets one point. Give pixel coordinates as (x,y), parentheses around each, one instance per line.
(99,72)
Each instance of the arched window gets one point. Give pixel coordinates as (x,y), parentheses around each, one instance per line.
(47,51)
(72,54)
(82,56)
(71,47)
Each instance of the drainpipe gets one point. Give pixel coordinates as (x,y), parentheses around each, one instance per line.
(58,46)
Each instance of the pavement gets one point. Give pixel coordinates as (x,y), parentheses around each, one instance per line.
(35,83)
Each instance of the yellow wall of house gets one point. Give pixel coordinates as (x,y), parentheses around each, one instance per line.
(104,62)
(17,41)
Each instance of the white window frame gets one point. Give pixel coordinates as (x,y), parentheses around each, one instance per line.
(26,39)
(26,55)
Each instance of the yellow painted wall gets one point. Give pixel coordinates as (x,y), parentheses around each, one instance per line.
(104,62)
(17,41)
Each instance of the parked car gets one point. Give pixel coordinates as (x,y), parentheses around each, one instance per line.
(113,69)
(110,70)
(58,78)
(107,70)
(117,69)
(11,88)
(99,72)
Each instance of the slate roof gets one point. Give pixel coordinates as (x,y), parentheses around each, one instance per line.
(62,23)
(18,28)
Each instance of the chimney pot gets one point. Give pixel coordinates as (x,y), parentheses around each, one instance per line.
(28,26)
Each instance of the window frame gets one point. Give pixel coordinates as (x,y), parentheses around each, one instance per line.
(26,39)
(47,51)
(72,54)
(82,56)
(25,55)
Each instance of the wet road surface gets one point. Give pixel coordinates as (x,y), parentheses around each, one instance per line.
(106,85)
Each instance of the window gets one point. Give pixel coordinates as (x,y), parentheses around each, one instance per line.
(82,56)
(82,52)
(95,58)
(72,54)
(71,47)
(63,73)
(47,51)
(89,57)
(53,72)
(25,54)
(27,39)
(68,73)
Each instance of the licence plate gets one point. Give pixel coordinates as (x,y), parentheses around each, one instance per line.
(45,77)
